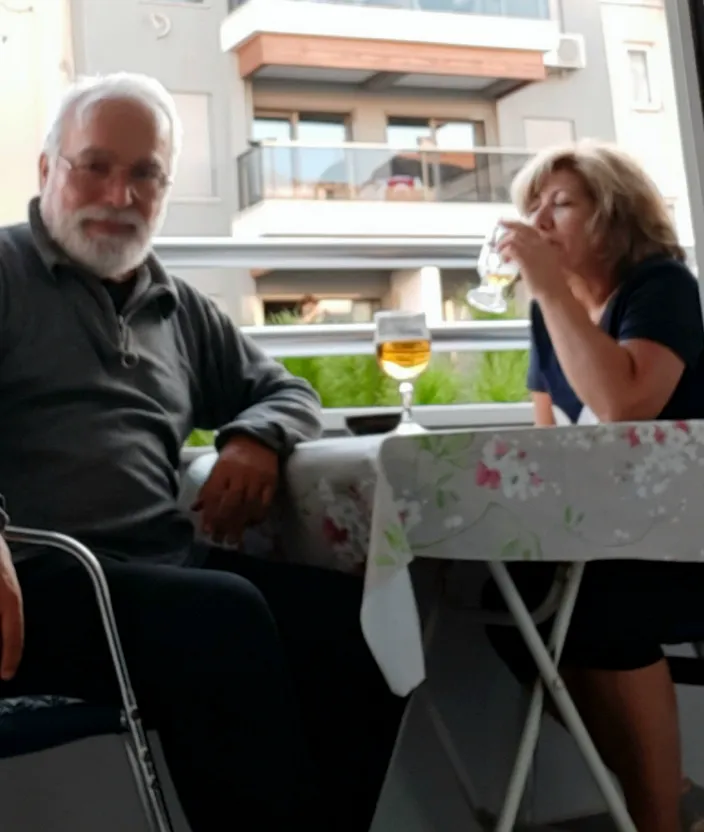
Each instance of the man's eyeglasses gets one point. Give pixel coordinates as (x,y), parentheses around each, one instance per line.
(146,180)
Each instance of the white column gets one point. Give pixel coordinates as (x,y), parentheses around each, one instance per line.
(418,290)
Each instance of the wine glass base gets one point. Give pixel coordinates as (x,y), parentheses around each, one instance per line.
(487,302)
(409,429)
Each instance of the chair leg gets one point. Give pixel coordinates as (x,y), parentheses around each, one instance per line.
(143,766)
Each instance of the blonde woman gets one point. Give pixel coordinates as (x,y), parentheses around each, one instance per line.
(617,335)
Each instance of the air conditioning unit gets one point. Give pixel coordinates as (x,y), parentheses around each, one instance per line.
(570,53)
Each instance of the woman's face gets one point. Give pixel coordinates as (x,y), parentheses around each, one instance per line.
(562,212)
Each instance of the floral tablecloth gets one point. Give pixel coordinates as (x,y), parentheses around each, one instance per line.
(566,493)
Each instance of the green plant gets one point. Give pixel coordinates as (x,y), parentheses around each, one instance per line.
(357,381)
(200,439)
(499,375)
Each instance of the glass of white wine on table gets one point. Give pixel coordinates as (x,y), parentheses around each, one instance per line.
(498,278)
(403,351)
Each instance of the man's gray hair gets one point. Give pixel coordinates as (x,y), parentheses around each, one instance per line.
(84,93)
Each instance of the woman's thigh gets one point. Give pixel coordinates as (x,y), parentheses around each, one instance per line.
(625,611)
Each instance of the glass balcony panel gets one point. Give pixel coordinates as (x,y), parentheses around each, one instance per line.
(531,9)
(281,171)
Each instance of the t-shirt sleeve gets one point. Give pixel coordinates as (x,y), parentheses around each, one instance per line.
(664,307)
(536,379)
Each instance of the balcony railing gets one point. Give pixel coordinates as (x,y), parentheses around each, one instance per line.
(276,170)
(357,339)
(528,9)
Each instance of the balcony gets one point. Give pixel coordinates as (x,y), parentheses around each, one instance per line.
(525,9)
(412,43)
(292,190)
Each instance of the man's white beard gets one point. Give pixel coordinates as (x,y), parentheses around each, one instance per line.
(110,256)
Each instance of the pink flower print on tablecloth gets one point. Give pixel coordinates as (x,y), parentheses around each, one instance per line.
(504,466)
(664,450)
(334,534)
(345,522)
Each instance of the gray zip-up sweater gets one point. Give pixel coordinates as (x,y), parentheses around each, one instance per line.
(95,406)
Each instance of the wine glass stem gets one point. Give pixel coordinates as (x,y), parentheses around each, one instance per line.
(405,388)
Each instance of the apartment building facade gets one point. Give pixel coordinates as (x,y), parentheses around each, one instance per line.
(320,119)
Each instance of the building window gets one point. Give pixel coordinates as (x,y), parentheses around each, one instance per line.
(407,133)
(640,65)
(317,162)
(547,132)
(316,128)
(195,175)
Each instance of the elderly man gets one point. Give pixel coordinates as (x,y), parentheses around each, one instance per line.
(269,706)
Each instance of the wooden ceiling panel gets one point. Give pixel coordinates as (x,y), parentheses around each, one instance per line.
(382,56)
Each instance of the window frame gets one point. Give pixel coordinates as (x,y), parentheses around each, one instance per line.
(649,51)
(294,118)
(434,123)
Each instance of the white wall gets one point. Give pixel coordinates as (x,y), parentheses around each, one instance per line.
(35,66)
(649,132)
(338,218)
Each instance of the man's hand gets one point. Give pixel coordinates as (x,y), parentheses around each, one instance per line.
(239,490)
(11,618)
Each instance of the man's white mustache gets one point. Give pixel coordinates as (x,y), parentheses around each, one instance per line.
(122,217)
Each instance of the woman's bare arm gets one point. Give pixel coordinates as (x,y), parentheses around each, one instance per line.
(542,410)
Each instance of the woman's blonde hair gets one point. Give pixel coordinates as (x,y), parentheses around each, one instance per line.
(631,220)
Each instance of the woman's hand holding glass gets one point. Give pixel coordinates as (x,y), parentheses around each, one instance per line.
(538,260)
(497,275)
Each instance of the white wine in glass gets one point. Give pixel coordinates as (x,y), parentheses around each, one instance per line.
(403,351)
(498,278)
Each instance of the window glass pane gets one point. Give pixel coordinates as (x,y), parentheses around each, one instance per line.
(276,162)
(455,135)
(323,164)
(322,130)
(271,128)
(527,8)
(407,133)
(641,92)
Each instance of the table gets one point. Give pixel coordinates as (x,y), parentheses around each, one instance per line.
(568,494)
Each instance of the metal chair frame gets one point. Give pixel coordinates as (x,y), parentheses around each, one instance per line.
(136,743)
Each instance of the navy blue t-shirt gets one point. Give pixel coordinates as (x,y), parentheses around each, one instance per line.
(658,300)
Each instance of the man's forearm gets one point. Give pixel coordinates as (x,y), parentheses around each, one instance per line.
(599,370)
(281,420)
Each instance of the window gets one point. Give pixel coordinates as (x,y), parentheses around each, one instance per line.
(316,128)
(641,78)
(195,174)
(318,161)
(547,132)
(406,133)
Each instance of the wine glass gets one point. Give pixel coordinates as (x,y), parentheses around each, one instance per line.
(498,278)
(403,352)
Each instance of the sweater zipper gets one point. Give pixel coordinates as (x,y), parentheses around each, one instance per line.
(128,357)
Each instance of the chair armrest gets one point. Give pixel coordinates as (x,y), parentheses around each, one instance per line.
(81,553)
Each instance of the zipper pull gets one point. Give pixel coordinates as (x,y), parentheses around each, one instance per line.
(128,358)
